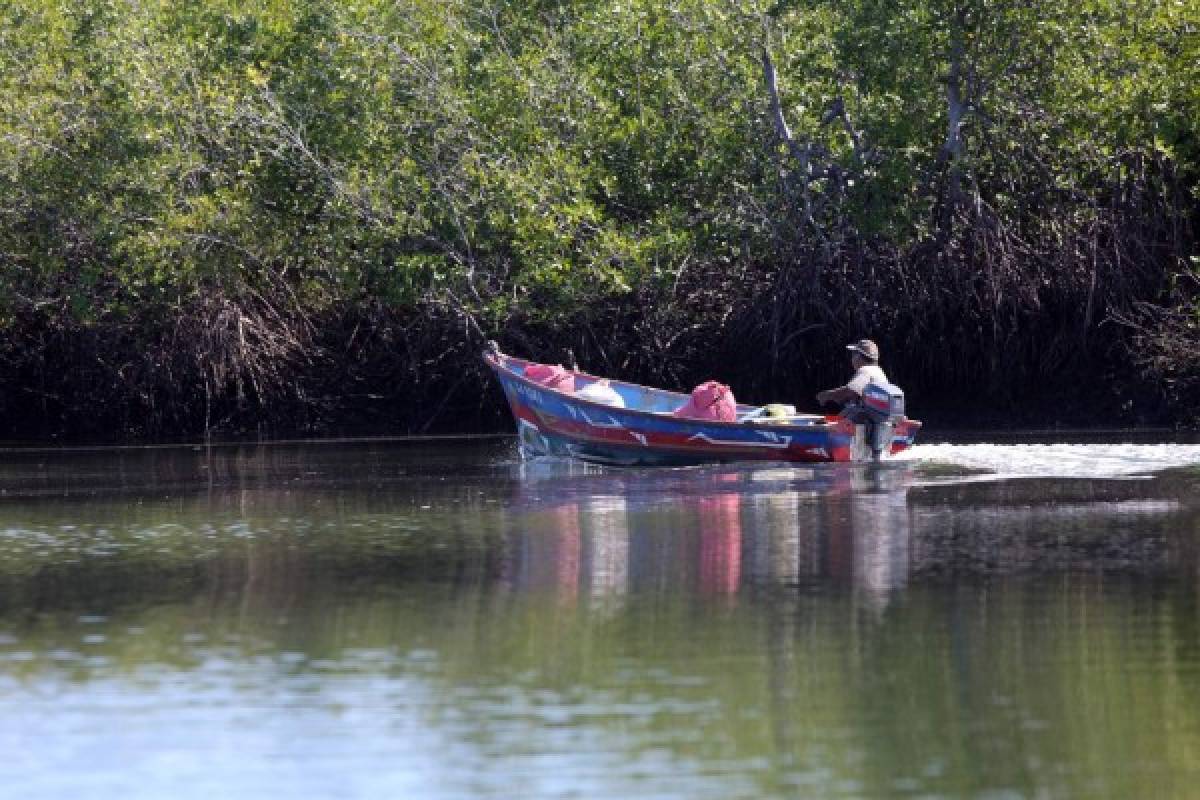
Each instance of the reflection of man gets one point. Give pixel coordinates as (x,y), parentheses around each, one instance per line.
(864,358)
(882,534)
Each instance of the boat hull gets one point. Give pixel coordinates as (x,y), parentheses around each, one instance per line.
(555,423)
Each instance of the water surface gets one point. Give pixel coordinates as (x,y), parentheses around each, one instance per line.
(438,620)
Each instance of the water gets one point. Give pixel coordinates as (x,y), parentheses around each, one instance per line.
(441,620)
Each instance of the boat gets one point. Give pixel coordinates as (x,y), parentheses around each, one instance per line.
(646,432)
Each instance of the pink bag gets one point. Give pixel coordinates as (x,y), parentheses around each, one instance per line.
(552,376)
(710,400)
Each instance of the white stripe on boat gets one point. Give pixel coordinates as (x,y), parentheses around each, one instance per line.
(775,445)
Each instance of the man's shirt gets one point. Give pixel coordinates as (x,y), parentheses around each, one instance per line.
(867,373)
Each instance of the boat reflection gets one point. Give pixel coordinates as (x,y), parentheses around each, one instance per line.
(586,532)
(576,550)
(719,523)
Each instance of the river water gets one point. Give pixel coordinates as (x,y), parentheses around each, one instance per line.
(442,620)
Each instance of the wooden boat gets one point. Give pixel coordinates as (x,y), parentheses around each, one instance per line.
(646,432)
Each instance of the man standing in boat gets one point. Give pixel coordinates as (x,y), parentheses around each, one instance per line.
(864,358)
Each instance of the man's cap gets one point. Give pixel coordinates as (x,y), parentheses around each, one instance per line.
(865,348)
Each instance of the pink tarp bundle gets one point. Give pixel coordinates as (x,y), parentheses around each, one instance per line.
(710,400)
(552,376)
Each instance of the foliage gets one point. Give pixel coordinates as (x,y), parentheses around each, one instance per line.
(1006,177)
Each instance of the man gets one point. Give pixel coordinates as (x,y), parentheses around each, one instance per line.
(864,357)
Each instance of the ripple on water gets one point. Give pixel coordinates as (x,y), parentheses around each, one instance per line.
(1059,460)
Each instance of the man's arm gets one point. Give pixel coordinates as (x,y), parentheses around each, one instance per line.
(842,394)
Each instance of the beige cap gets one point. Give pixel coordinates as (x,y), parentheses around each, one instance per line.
(865,348)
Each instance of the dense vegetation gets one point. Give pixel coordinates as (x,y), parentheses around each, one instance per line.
(303,212)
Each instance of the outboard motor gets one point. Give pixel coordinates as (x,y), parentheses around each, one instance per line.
(881,408)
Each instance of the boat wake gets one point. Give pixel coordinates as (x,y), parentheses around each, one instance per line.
(1054,460)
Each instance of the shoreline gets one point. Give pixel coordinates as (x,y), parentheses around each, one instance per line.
(956,435)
